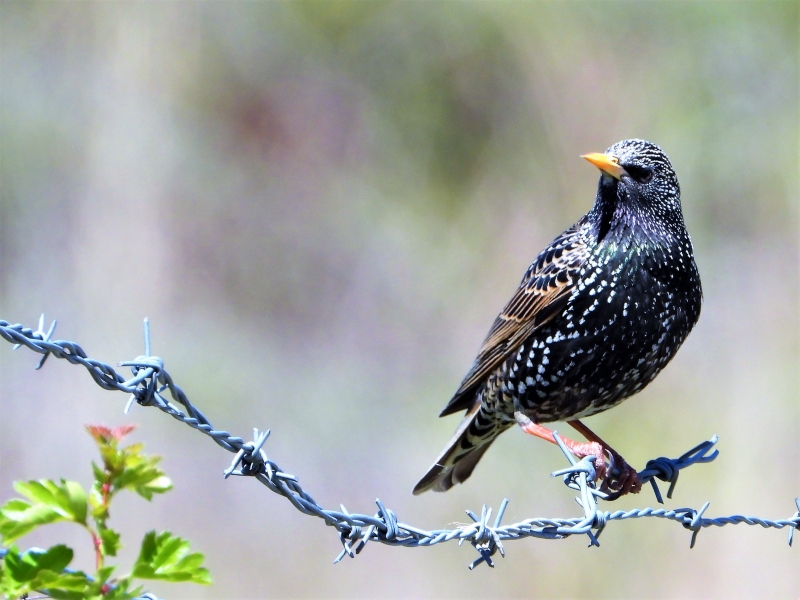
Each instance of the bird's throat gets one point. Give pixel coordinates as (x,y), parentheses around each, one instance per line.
(605,205)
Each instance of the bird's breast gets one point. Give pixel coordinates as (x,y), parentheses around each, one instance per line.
(628,315)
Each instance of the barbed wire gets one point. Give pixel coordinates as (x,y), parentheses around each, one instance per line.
(150,381)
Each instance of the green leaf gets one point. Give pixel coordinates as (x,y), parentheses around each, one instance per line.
(99,474)
(143,476)
(104,574)
(9,586)
(61,594)
(24,567)
(125,468)
(48,502)
(159,485)
(76,497)
(18,517)
(62,585)
(100,587)
(110,539)
(122,590)
(96,494)
(68,497)
(39,569)
(166,557)
(56,558)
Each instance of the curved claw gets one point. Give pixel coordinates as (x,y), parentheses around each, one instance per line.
(621,480)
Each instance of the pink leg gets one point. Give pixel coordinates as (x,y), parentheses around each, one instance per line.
(579,449)
(619,478)
(623,479)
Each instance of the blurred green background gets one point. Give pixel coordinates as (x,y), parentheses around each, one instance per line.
(321,206)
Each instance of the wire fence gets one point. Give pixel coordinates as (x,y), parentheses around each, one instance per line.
(150,381)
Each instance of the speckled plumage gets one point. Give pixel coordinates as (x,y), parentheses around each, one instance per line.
(597,315)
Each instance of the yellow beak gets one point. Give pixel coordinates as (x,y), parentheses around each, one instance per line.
(606,163)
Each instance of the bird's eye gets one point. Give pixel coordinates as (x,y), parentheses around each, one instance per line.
(639,174)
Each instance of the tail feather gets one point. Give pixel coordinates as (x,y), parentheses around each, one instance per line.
(458,460)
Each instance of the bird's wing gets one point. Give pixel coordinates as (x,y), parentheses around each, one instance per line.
(543,293)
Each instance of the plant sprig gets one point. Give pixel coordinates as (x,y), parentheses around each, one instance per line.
(162,556)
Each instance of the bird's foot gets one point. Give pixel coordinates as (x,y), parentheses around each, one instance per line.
(579,450)
(619,478)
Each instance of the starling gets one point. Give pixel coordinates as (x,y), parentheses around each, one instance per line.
(597,315)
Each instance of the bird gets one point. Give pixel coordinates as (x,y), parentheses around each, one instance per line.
(597,315)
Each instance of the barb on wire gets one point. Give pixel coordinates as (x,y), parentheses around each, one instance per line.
(150,381)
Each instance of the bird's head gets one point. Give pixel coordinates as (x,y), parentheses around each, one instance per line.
(637,180)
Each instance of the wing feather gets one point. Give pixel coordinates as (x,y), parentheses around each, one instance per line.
(544,292)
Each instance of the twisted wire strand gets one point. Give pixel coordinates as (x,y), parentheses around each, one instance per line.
(150,381)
